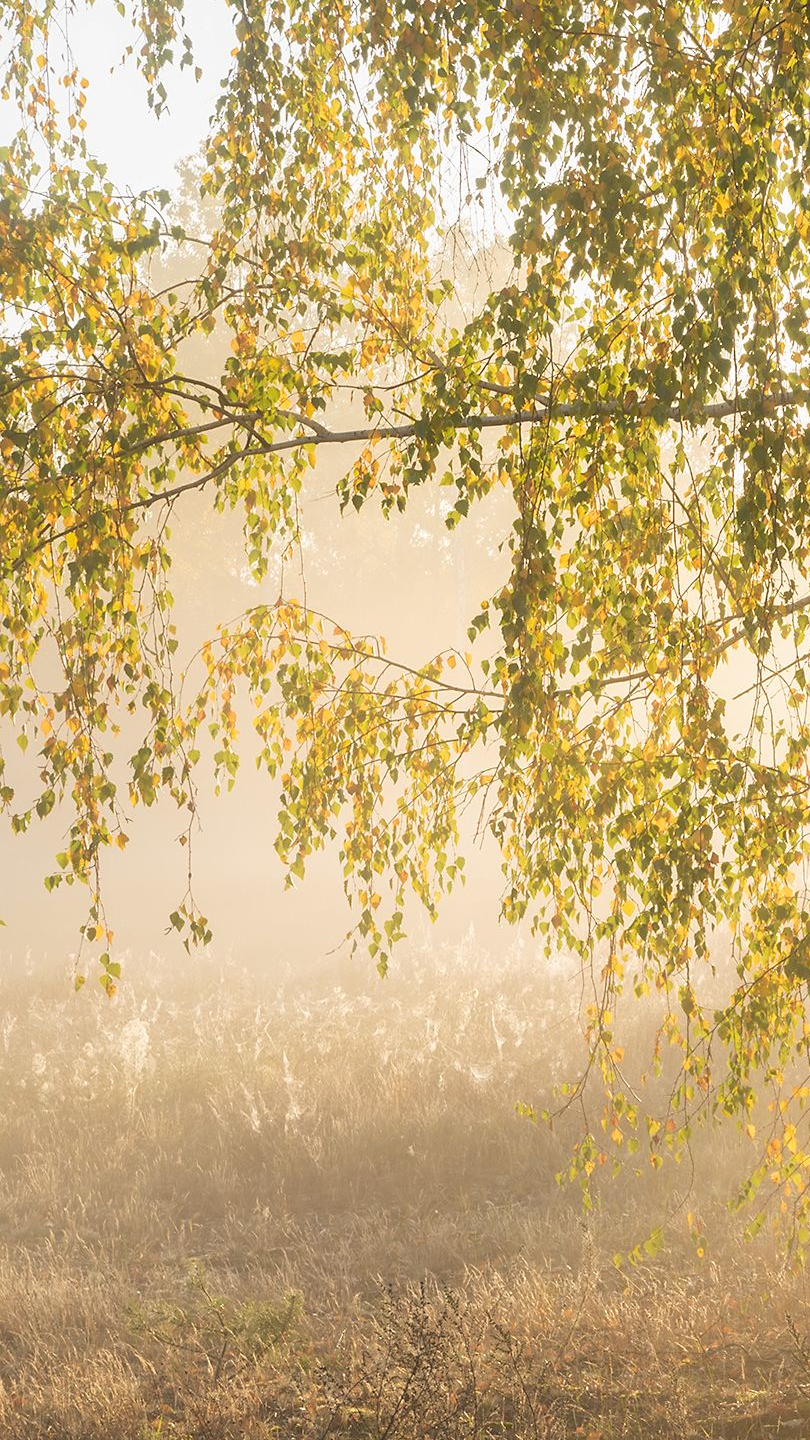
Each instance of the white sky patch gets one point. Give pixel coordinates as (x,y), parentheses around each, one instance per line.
(140,149)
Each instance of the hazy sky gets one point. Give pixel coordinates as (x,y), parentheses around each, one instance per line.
(122,130)
(140,150)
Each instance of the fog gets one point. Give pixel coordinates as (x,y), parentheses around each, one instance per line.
(260,1192)
(409,580)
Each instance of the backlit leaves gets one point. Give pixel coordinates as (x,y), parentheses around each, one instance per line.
(631,724)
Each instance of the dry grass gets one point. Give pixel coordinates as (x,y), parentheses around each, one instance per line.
(232,1210)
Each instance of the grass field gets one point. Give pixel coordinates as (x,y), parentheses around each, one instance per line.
(234,1207)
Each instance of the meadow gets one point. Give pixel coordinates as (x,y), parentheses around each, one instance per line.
(236,1206)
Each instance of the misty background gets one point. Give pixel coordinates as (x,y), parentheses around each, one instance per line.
(409,580)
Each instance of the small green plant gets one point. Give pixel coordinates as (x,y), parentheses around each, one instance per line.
(212,1329)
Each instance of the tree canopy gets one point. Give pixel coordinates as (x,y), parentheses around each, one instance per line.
(630,721)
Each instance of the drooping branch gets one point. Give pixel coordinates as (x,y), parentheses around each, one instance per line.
(320,435)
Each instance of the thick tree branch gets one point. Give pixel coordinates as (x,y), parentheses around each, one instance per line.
(572,409)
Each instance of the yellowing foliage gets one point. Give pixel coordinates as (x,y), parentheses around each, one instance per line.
(652,168)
